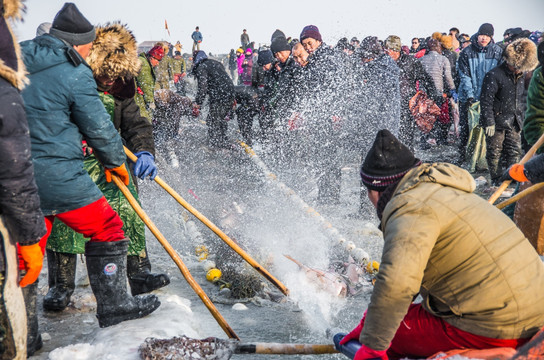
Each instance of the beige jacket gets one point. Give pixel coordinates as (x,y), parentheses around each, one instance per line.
(471,264)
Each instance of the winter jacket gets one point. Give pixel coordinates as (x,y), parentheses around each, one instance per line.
(196,36)
(244,39)
(233,64)
(63,108)
(239,62)
(438,67)
(247,69)
(164,73)
(413,73)
(474,62)
(19,201)
(461,254)
(145,87)
(503,99)
(533,127)
(178,65)
(213,81)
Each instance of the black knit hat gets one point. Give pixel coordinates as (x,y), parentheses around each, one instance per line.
(387,162)
(265,57)
(486,29)
(279,44)
(71,26)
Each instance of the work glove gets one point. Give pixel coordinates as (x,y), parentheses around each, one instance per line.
(145,165)
(196,110)
(32,256)
(454,95)
(490,130)
(176,78)
(120,171)
(516,172)
(366,353)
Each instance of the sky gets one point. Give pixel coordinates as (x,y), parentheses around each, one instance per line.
(221,21)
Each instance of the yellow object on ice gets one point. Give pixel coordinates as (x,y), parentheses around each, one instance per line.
(213,275)
(201,252)
(373,267)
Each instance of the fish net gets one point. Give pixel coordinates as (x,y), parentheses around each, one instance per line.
(185,348)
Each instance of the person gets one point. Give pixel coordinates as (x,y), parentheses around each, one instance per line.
(114,62)
(197,39)
(164,70)
(454,33)
(265,79)
(412,76)
(415,46)
(460,240)
(244,39)
(214,83)
(240,57)
(21,219)
(503,105)
(473,63)
(179,70)
(247,68)
(233,66)
(464,41)
(145,81)
(300,55)
(63,108)
(355,42)
(438,67)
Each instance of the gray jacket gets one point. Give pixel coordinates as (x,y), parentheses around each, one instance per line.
(439,69)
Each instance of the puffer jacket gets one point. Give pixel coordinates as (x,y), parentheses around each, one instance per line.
(473,63)
(503,99)
(213,81)
(533,127)
(63,108)
(145,87)
(438,67)
(412,74)
(470,263)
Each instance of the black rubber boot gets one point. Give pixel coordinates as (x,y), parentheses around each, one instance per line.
(34,338)
(140,278)
(62,275)
(106,266)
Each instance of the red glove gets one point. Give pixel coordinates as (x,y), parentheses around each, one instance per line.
(120,171)
(366,353)
(196,110)
(176,78)
(355,333)
(32,257)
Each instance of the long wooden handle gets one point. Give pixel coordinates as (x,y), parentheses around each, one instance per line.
(290,349)
(216,230)
(520,195)
(177,259)
(526,158)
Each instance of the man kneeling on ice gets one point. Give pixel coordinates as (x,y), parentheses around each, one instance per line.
(481,281)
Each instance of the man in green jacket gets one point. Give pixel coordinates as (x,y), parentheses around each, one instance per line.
(459,253)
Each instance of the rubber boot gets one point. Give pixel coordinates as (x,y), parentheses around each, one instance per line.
(34,338)
(62,274)
(140,278)
(106,266)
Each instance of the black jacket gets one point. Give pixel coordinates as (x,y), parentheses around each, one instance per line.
(19,200)
(503,99)
(213,81)
(411,72)
(136,131)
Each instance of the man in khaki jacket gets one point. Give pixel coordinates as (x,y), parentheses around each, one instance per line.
(481,281)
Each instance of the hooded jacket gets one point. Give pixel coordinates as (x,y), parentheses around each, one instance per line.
(533,127)
(470,263)
(63,108)
(19,201)
(213,81)
(474,62)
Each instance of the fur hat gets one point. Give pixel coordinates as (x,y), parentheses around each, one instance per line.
(446,41)
(71,26)
(521,55)
(387,161)
(115,52)
(12,67)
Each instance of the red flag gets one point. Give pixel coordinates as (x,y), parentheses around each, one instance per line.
(166,27)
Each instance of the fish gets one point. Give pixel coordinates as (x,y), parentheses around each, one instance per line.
(327,281)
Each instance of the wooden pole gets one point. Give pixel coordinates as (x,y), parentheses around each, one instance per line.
(526,158)
(177,259)
(285,349)
(520,195)
(216,230)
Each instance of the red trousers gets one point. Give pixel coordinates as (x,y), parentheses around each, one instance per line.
(422,334)
(97,221)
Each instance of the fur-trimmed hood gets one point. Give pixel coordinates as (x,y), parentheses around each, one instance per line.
(521,55)
(12,67)
(114,53)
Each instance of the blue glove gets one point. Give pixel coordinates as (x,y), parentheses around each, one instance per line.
(454,95)
(145,165)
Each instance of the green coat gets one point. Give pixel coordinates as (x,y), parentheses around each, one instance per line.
(470,263)
(164,73)
(178,65)
(533,126)
(63,239)
(145,87)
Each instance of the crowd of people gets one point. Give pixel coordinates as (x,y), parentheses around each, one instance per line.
(77,94)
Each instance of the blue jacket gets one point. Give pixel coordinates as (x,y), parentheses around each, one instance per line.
(474,62)
(63,108)
(196,36)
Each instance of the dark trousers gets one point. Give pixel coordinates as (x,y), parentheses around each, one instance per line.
(407,128)
(217,124)
(463,128)
(504,144)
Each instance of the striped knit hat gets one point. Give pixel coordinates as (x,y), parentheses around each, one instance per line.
(387,162)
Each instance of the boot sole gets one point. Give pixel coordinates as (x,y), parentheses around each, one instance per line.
(113,319)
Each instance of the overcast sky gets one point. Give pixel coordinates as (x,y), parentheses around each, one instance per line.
(221,21)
